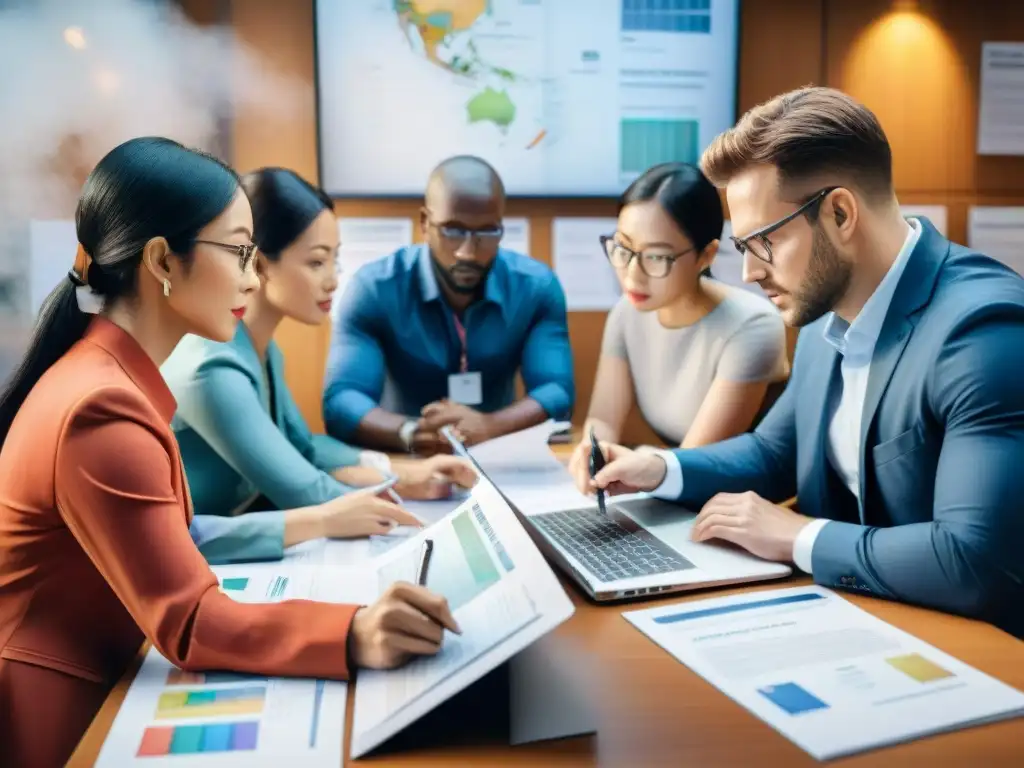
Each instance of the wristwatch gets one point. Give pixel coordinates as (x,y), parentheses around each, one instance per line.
(405,433)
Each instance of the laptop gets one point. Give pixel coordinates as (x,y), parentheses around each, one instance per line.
(639,547)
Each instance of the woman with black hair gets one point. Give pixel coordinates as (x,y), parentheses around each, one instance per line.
(696,355)
(95,551)
(244,443)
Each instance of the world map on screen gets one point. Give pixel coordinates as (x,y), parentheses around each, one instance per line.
(563,97)
(442,31)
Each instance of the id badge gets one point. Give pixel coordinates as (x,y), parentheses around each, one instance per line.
(465,388)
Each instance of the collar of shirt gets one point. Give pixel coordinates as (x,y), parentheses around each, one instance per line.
(135,361)
(856,340)
(494,287)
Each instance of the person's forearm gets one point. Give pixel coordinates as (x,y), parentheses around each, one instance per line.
(302,525)
(358,477)
(379,429)
(522,414)
(602,429)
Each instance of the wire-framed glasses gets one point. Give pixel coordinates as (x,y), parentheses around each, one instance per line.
(654,264)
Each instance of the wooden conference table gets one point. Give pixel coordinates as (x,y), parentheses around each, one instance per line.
(653,711)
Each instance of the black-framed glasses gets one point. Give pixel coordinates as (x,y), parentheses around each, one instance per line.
(758,243)
(456,234)
(654,264)
(245,253)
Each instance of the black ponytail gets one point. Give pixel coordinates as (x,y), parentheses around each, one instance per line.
(145,188)
(59,325)
(283,206)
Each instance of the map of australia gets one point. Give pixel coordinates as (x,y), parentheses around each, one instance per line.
(443,32)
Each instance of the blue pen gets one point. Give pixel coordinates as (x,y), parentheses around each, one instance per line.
(596,464)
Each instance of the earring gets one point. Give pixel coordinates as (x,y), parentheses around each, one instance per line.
(167,287)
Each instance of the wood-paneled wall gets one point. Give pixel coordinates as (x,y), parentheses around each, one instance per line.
(917,64)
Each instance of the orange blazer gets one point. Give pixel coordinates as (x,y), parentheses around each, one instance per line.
(95,555)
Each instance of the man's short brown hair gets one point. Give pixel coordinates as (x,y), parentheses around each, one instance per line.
(812,134)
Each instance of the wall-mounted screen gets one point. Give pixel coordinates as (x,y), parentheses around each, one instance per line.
(563,97)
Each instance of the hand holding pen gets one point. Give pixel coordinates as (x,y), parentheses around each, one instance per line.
(596,464)
(360,513)
(408,620)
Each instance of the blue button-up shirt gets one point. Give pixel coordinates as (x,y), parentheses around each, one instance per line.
(395,342)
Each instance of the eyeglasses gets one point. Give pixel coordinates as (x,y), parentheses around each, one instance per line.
(458,235)
(654,265)
(246,253)
(758,243)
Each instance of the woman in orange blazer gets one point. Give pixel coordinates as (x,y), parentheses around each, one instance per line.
(95,551)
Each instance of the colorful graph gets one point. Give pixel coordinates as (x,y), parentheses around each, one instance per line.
(211,703)
(277,587)
(666,16)
(916,666)
(792,698)
(181,677)
(161,741)
(648,141)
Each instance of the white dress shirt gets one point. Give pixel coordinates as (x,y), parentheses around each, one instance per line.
(856,343)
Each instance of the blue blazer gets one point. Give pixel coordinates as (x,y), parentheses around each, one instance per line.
(238,443)
(941,522)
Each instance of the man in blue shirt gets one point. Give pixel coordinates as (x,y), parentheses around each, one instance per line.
(434,335)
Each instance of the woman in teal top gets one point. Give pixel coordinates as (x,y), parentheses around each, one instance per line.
(246,448)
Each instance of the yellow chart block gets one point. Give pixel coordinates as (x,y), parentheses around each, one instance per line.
(919,668)
(213,709)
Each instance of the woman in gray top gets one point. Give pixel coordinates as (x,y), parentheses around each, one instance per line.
(696,355)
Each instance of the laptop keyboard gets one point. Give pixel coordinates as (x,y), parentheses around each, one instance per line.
(608,549)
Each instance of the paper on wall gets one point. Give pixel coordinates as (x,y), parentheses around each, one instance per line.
(1001,102)
(517,234)
(366,239)
(582,267)
(998,231)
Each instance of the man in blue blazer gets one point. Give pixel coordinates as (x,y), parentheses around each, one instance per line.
(901,431)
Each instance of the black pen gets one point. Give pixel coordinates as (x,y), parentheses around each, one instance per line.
(425,556)
(596,464)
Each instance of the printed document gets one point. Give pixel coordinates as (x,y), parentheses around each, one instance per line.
(176,718)
(522,466)
(829,676)
(527,473)
(501,592)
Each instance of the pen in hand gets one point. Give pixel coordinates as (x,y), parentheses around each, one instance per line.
(596,465)
(426,554)
(445,619)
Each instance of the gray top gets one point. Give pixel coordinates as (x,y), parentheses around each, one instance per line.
(743,339)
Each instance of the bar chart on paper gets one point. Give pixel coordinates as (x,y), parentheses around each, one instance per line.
(248,700)
(225,719)
(465,550)
(162,741)
(257,583)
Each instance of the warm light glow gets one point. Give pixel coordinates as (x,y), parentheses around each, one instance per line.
(75,37)
(908,72)
(106,80)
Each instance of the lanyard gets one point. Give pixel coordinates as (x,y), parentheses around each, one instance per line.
(460,329)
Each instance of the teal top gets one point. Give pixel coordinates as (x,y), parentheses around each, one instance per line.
(241,437)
